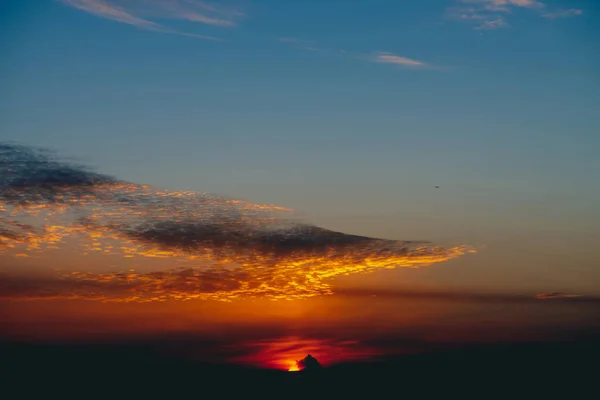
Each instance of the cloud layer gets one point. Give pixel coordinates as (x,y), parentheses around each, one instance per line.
(237,248)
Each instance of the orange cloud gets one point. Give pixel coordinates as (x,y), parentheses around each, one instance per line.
(234,248)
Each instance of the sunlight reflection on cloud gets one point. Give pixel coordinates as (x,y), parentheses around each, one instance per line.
(238,248)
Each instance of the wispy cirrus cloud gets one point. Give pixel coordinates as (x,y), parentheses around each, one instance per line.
(112,12)
(146,14)
(572,12)
(389,58)
(494,14)
(378,57)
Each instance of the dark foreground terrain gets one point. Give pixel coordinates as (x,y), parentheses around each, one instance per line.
(534,371)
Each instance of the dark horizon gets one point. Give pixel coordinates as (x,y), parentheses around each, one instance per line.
(519,369)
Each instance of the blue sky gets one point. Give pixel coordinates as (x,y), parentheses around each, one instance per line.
(350,113)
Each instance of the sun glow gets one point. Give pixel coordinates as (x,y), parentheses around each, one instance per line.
(293,366)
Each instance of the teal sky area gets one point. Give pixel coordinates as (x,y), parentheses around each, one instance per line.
(350,112)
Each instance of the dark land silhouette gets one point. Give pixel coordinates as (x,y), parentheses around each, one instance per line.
(534,370)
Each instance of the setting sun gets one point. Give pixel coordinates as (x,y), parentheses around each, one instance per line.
(293,366)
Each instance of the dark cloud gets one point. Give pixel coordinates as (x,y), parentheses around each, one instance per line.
(557,295)
(7,235)
(242,237)
(30,175)
(435,295)
(125,287)
(480,298)
(12,232)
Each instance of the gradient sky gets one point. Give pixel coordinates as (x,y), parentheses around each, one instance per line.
(350,112)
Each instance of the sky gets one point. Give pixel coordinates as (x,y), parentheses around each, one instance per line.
(348,114)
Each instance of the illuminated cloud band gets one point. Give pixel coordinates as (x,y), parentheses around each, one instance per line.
(232,248)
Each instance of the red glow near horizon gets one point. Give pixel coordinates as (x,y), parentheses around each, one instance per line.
(283,353)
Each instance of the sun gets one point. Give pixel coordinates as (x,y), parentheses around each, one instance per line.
(293,366)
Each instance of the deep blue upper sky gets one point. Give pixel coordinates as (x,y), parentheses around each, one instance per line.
(348,111)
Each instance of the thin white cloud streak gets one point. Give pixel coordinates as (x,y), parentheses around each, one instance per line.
(194,17)
(492,14)
(504,5)
(142,14)
(105,10)
(563,13)
(389,58)
(492,24)
(190,10)
(379,57)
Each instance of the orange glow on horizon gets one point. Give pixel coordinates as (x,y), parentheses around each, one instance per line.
(293,367)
